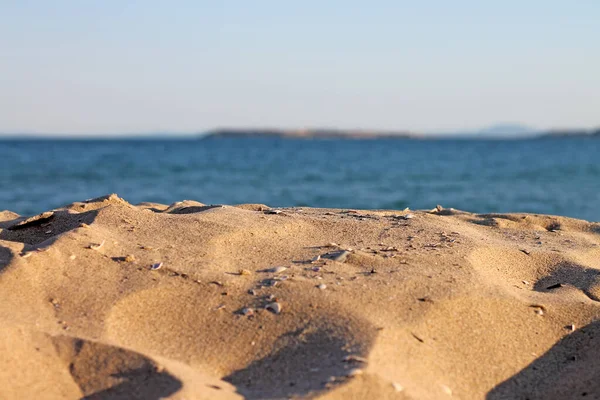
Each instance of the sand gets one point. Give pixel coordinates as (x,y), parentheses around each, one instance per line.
(401,304)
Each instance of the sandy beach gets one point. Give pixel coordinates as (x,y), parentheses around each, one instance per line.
(103,299)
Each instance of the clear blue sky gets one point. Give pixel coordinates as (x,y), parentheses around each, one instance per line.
(130,66)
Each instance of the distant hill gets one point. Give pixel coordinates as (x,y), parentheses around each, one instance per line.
(507,130)
(499,131)
(307,134)
(573,133)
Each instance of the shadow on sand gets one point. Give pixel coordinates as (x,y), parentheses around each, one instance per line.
(39,231)
(569,370)
(298,368)
(142,383)
(583,278)
(105,372)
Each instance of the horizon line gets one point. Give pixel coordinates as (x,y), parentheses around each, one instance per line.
(153,133)
(292,134)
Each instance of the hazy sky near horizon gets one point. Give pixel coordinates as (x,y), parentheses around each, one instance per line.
(107,66)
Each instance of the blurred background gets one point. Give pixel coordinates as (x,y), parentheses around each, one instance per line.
(347,104)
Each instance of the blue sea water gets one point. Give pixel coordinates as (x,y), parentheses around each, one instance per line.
(558,176)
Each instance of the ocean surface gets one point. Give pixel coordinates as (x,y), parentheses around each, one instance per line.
(558,176)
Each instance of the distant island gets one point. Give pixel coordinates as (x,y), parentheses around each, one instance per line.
(498,131)
(495,132)
(309,134)
(506,131)
(572,133)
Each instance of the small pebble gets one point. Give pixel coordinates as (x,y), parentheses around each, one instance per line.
(397,387)
(273,212)
(97,246)
(129,258)
(342,256)
(72,256)
(247,311)
(244,272)
(447,390)
(555,286)
(278,269)
(353,358)
(354,372)
(409,216)
(156,266)
(274,307)
(322,286)
(317,258)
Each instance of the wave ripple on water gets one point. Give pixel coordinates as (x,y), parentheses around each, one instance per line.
(551,176)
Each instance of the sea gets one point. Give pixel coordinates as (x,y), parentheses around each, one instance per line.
(559,176)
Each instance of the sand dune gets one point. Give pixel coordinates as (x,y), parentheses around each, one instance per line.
(106,300)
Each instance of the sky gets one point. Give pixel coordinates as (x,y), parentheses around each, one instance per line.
(114,67)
